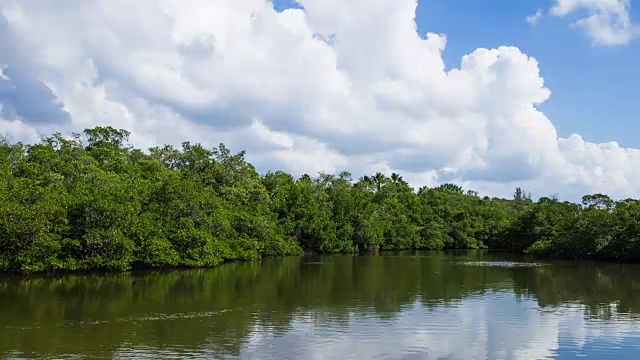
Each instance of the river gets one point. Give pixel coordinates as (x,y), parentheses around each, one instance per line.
(411,305)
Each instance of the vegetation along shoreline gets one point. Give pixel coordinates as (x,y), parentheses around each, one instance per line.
(93,202)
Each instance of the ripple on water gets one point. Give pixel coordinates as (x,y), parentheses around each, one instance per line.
(507,264)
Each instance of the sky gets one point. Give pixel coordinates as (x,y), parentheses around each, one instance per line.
(490,95)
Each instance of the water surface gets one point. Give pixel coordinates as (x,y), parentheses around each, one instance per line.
(433,305)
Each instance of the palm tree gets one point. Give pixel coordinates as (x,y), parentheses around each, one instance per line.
(378,180)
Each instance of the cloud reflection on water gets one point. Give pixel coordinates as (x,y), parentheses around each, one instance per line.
(497,325)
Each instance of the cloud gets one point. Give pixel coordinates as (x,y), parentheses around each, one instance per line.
(606,22)
(4,76)
(535,18)
(332,85)
(22,95)
(25,97)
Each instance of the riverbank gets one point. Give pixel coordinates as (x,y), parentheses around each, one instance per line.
(518,259)
(95,203)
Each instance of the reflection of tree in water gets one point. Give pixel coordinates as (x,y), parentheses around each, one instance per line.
(597,286)
(218,308)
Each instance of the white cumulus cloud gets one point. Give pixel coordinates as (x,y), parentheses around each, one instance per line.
(336,85)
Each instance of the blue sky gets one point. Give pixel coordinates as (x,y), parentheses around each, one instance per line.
(595,89)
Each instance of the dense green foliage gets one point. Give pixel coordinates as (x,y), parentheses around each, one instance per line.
(94,202)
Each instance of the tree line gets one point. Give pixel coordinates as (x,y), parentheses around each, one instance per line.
(93,202)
